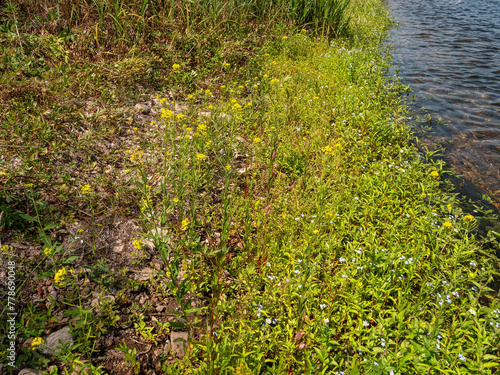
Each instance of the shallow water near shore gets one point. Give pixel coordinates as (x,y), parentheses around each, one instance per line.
(448,52)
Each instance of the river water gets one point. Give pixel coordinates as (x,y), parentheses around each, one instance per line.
(448,51)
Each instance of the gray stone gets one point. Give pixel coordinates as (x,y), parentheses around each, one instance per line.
(179,108)
(142,108)
(55,341)
(158,264)
(166,348)
(118,248)
(179,341)
(29,371)
(145,274)
(53,295)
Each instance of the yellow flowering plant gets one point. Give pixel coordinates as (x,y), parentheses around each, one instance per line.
(37,341)
(60,276)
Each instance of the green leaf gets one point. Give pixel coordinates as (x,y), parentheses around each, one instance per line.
(179,325)
(49,226)
(70,259)
(28,217)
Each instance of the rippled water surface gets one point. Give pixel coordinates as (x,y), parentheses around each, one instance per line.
(448,51)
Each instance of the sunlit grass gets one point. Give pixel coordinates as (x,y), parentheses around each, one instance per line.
(300,229)
(334,248)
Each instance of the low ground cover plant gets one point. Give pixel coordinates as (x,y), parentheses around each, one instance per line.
(275,219)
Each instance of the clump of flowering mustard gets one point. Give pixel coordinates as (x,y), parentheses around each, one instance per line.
(447,224)
(328,150)
(435,174)
(135,155)
(166,113)
(60,276)
(185,224)
(37,341)
(86,189)
(138,244)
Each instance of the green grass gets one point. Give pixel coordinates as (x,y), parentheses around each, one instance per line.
(301,230)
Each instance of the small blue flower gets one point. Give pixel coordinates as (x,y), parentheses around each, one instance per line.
(461,357)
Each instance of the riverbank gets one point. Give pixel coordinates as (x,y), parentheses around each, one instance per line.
(276,216)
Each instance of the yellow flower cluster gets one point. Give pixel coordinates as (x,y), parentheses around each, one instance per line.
(328,150)
(447,224)
(202,128)
(60,276)
(137,244)
(257,140)
(86,189)
(47,251)
(469,218)
(176,67)
(435,174)
(37,341)
(200,157)
(146,202)
(274,81)
(166,113)
(5,248)
(185,224)
(136,155)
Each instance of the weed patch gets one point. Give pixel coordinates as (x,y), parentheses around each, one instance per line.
(223,204)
